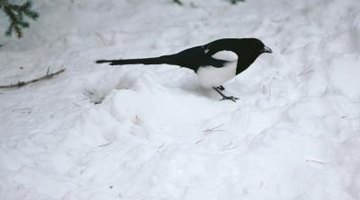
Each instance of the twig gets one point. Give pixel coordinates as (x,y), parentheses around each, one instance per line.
(23,83)
(213,129)
(210,131)
(306,72)
(47,71)
(104,145)
(316,161)
(102,39)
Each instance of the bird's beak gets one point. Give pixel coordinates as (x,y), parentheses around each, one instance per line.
(266,50)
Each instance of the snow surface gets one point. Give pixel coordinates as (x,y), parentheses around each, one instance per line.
(136,132)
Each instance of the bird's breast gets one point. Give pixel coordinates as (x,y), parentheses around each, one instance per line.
(210,76)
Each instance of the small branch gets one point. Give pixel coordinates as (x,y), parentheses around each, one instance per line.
(316,162)
(104,145)
(306,72)
(47,71)
(214,129)
(23,83)
(209,131)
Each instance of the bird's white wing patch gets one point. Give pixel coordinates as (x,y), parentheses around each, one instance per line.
(206,50)
(225,55)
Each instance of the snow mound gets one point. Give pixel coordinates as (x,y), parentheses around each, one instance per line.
(136,132)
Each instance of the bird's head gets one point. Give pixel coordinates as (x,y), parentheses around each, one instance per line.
(241,46)
(247,50)
(256,46)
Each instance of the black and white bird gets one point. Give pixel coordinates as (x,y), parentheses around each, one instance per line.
(215,63)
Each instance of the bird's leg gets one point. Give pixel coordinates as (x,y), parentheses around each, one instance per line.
(221,88)
(232,98)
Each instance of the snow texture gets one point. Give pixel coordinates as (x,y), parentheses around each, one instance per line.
(152,132)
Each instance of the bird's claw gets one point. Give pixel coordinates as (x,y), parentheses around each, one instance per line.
(221,88)
(232,98)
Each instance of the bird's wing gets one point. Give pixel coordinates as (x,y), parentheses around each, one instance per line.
(194,58)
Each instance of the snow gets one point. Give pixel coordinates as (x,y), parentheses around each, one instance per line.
(152,132)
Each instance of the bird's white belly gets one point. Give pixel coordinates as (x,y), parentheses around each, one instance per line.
(210,76)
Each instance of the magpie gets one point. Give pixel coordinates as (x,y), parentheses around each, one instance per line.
(214,63)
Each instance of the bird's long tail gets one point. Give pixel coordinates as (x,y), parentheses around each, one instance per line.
(145,61)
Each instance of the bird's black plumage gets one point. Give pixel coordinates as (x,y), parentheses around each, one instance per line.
(203,58)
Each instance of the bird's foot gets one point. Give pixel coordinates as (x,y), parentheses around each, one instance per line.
(232,98)
(221,88)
